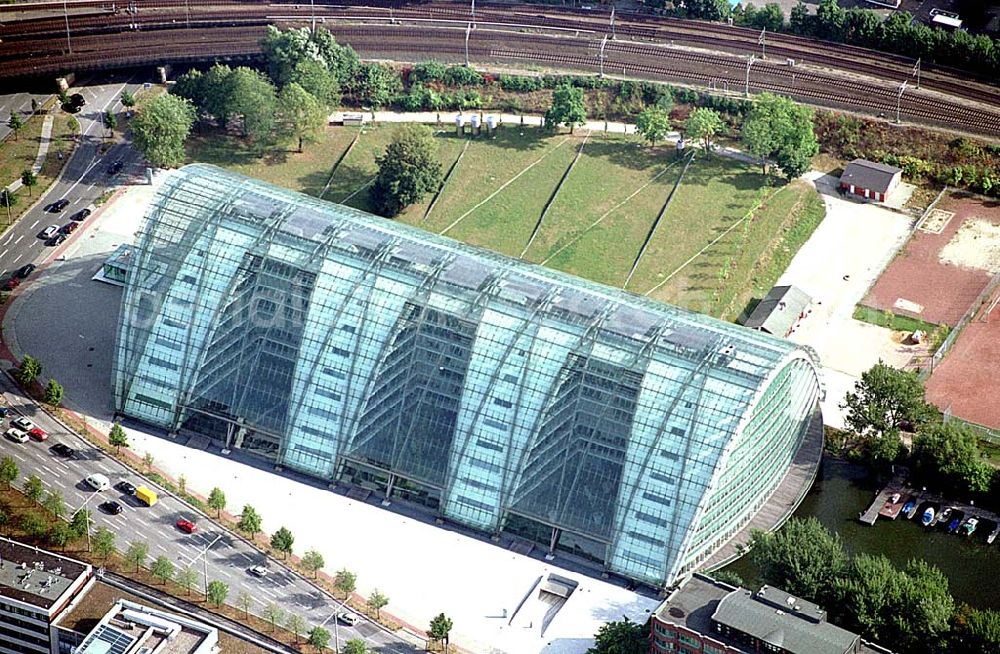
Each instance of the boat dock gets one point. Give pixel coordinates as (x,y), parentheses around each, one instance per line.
(890,500)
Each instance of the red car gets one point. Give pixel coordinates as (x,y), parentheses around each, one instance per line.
(38,434)
(69,228)
(13,283)
(187,526)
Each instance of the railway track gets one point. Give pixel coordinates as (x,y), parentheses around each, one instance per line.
(702,54)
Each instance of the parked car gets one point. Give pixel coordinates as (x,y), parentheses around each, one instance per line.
(49,231)
(98,482)
(125,487)
(257,570)
(22,423)
(58,205)
(112,507)
(63,450)
(69,228)
(58,239)
(16,435)
(12,283)
(348,618)
(4,412)
(187,526)
(25,270)
(38,434)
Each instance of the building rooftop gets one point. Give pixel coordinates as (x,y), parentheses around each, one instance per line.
(784,621)
(36,577)
(693,604)
(778,311)
(869,174)
(131,628)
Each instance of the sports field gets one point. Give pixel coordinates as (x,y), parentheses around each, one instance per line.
(583,203)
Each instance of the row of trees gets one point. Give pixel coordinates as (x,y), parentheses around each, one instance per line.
(899,32)
(28,372)
(910,609)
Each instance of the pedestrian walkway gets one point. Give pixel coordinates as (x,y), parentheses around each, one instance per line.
(530,120)
(43,149)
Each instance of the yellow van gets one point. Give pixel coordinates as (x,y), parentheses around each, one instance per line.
(146,495)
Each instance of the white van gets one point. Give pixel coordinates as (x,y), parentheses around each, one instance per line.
(98,482)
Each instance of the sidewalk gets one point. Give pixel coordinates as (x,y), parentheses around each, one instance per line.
(43,149)
(450,118)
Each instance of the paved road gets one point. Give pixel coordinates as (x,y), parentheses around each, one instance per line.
(19,102)
(84,179)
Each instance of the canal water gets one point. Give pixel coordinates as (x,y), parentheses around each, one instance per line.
(841,493)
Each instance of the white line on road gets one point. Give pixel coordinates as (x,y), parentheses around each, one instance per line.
(161,547)
(3,254)
(49,472)
(34,225)
(16,259)
(18,239)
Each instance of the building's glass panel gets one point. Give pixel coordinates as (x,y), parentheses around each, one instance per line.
(503,395)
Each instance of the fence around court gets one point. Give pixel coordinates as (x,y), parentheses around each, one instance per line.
(984,433)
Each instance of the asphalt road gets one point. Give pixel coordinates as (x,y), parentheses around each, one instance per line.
(225,557)
(19,102)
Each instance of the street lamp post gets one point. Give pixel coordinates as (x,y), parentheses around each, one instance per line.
(83,507)
(612,22)
(204,553)
(916,71)
(746,89)
(312,7)
(763,41)
(468,32)
(899,98)
(604,42)
(69,43)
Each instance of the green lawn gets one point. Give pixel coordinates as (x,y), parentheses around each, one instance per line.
(726,224)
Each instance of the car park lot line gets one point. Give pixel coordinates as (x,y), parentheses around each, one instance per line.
(18,239)
(43,467)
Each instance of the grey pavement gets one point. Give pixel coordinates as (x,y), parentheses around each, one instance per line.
(43,148)
(20,103)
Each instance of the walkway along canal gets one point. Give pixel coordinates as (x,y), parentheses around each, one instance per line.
(842,493)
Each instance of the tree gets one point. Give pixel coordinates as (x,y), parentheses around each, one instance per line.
(318,81)
(28,179)
(654,124)
(216,90)
(217,592)
(300,115)
(182,485)
(147,460)
(110,120)
(799,19)
(947,456)
(567,108)
(342,61)
(312,561)
(54,503)
(160,128)
(883,401)
(296,624)
(319,638)
(975,631)
(29,370)
(8,471)
(283,50)
(345,581)
(137,553)
(274,614)
(80,523)
(282,541)
(245,601)
(703,123)
(440,628)
(33,488)
(779,128)
(163,569)
(128,100)
(53,393)
(60,534)
(624,637)
(104,542)
(250,521)
(407,171)
(377,601)
(217,501)
(802,558)
(15,123)
(118,438)
(729,577)
(7,199)
(355,646)
(376,85)
(708,9)
(187,578)
(253,96)
(34,525)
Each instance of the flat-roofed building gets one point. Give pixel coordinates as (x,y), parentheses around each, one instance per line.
(131,628)
(35,587)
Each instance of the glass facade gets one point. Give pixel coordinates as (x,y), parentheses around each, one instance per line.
(505,396)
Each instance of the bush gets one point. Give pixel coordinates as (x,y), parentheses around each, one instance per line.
(462,76)
(520,83)
(428,71)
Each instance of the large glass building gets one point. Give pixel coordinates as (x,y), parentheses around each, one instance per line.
(504,396)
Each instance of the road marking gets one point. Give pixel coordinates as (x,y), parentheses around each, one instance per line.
(34,225)
(248,557)
(43,467)
(18,258)
(3,254)
(18,239)
(161,547)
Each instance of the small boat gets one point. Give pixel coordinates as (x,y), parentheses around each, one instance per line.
(993,535)
(910,508)
(955,522)
(927,519)
(944,516)
(894,498)
(969,526)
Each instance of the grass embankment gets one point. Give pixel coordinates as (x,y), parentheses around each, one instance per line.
(936,333)
(726,224)
(18,155)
